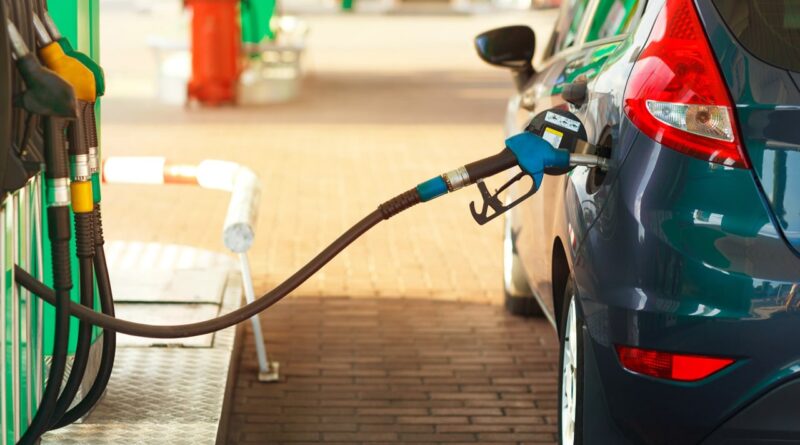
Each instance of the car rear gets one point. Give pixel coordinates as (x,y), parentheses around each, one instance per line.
(690,279)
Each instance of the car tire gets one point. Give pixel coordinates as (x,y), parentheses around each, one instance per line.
(519,298)
(570,382)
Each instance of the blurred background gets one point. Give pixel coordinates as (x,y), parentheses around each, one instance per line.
(366,103)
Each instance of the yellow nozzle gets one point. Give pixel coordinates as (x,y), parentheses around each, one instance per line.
(82,198)
(71,70)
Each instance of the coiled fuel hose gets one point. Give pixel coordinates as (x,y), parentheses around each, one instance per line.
(532,153)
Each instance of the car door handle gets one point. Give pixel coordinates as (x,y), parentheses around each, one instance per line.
(575,92)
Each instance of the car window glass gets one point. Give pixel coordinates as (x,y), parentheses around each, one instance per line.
(569,23)
(770,29)
(612,18)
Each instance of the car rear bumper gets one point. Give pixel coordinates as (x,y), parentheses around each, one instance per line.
(647,410)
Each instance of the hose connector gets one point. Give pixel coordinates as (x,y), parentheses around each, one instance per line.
(457,179)
(80,168)
(58,192)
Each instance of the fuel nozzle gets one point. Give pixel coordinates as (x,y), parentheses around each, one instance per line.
(81,142)
(548,149)
(69,50)
(89,119)
(46,93)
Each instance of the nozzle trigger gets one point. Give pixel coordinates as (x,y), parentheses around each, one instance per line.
(492,201)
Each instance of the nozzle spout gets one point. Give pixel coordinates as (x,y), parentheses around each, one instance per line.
(589,160)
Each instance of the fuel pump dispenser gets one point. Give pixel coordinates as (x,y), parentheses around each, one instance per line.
(71,169)
(49,96)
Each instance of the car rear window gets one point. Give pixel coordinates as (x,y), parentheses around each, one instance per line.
(770,29)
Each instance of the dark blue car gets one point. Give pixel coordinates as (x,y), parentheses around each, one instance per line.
(673,278)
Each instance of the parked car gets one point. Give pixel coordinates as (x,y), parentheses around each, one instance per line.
(673,278)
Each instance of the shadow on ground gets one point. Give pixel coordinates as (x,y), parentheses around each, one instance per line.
(398,371)
(421,98)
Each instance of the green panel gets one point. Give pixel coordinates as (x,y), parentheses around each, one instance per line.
(256,19)
(78,21)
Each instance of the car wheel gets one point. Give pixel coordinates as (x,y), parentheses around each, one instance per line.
(519,297)
(570,387)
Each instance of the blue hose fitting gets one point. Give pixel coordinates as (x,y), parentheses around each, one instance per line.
(432,189)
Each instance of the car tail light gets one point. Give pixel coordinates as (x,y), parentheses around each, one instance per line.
(676,94)
(668,365)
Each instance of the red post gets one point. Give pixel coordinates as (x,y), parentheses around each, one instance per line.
(216,40)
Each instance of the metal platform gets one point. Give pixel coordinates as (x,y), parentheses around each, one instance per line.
(165,392)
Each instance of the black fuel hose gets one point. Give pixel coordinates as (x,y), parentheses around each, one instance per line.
(109,337)
(384,212)
(85,250)
(424,192)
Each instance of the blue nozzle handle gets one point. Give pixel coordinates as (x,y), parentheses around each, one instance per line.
(534,154)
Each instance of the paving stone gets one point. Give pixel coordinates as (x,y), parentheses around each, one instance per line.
(409,409)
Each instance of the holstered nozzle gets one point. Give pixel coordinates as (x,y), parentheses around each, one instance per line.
(46,93)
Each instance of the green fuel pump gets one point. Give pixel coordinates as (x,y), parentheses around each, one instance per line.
(51,97)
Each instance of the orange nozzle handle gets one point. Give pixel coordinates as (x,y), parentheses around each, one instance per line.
(71,70)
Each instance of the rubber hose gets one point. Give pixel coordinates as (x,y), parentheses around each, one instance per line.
(384,212)
(62,278)
(109,337)
(85,250)
(82,348)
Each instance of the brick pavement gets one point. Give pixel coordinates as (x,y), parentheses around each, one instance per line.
(398,371)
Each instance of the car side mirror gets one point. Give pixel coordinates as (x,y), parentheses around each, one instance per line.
(509,47)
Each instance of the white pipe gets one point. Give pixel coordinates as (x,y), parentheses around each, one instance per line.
(250,296)
(238,231)
(134,170)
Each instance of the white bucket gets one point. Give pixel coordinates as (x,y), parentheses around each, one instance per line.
(174,70)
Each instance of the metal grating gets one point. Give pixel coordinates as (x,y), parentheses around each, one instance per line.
(168,395)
